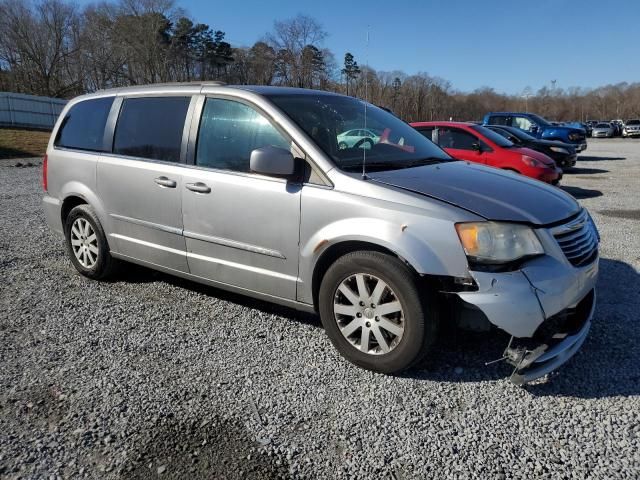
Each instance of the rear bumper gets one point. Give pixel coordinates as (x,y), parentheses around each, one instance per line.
(51,207)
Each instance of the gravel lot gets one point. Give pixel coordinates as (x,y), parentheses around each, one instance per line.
(154,377)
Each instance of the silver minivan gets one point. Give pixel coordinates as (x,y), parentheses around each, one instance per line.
(249,189)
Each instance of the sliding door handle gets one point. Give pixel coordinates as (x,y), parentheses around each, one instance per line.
(198,187)
(165,182)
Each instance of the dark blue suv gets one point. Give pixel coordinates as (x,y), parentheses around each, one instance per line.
(539,127)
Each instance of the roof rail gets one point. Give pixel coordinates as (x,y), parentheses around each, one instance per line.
(177,84)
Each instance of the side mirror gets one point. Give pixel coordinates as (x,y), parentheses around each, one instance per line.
(533,129)
(477,147)
(273,161)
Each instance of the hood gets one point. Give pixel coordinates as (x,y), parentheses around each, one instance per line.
(488,192)
(535,154)
(552,143)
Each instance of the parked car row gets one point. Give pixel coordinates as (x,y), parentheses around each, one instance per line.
(615,128)
(476,143)
(327,204)
(539,127)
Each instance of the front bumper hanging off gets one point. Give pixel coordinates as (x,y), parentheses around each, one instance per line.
(555,342)
(546,308)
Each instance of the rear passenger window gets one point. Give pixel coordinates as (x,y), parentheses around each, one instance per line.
(455,138)
(83,125)
(151,127)
(498,120)
(229,131)
(427,132)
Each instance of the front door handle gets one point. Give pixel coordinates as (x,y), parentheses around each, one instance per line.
(198,187)
(165,182)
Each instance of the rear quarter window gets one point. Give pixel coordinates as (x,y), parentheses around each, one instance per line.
(151,127)
(83,125)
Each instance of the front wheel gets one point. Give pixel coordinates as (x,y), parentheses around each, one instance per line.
(374,313)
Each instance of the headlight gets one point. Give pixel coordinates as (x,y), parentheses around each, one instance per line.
(532,162)
(593,224)
(493,242)
(574,136)
(560,150)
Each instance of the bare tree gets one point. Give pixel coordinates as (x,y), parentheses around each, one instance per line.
(289,39)
(37,42)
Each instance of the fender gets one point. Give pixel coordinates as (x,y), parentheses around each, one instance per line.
(429,247)
(78,189)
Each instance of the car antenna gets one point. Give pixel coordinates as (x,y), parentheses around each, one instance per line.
(366,99)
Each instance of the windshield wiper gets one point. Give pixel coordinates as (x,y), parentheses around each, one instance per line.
(395,164)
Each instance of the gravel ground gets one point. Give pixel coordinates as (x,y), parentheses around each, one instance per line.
(154,377)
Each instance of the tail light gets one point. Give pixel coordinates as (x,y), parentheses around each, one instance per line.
(44,173)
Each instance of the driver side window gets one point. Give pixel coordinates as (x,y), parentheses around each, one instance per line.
(523,123)
(230,131)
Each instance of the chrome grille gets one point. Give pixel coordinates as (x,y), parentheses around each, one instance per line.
(578,239)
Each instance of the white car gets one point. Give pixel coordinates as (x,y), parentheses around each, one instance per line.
(603,130)
(631,128)
(358,138)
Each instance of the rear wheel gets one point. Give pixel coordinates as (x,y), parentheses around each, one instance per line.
(87,244)
(374,314)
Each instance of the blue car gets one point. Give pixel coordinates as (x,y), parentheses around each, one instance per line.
(539,127)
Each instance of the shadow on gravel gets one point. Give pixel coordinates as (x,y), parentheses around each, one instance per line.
(607,365)
(588,158)
(200,451)
(621,213)
(585,171)
(581,193)
(138,274)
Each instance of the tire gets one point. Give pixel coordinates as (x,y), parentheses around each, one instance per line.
(414,326)
(96,262)
(362,142)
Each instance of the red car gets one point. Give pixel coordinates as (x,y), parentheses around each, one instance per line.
(475,143)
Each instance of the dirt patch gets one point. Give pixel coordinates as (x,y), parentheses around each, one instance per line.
(22,143)
(627,214)
(219,449)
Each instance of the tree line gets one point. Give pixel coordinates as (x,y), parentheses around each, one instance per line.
(55,48)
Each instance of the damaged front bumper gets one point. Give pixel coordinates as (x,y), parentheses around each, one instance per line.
(546,307)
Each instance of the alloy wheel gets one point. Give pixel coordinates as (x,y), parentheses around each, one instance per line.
(84,242)
(369,314)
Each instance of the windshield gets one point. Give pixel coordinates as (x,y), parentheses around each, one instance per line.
(603,125)
(633,122)
(338,125)
(539,120)
(493,136)
(522,135)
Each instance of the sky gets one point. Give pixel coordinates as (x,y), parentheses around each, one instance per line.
(502,44)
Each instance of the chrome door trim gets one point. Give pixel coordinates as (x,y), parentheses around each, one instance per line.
(302,306)
(240,266)
(147,244)
(144,223)
(234,244)
(205,258)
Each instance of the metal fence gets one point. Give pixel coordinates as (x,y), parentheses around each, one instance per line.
(29,111)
